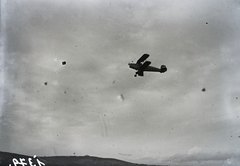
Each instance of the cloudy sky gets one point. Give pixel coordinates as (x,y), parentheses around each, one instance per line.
(93,105)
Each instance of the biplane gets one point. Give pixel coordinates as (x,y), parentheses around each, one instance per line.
(142,66)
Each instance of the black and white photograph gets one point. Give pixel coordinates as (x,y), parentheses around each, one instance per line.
(120,83)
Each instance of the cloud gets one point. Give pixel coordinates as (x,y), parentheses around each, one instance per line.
(200,156)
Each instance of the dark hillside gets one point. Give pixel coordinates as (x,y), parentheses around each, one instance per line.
(7,158)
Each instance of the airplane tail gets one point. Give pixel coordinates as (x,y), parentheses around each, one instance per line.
(163,69)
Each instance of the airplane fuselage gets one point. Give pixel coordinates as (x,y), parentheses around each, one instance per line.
(136,66)
(143,65)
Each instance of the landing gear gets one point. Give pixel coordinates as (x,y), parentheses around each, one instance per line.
(135,75)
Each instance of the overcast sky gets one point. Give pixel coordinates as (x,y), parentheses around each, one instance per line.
(93,105)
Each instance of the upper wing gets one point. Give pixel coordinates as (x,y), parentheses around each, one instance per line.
(145,65)
(143,58)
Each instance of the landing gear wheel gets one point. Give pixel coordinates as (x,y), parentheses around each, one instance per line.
(136,74)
